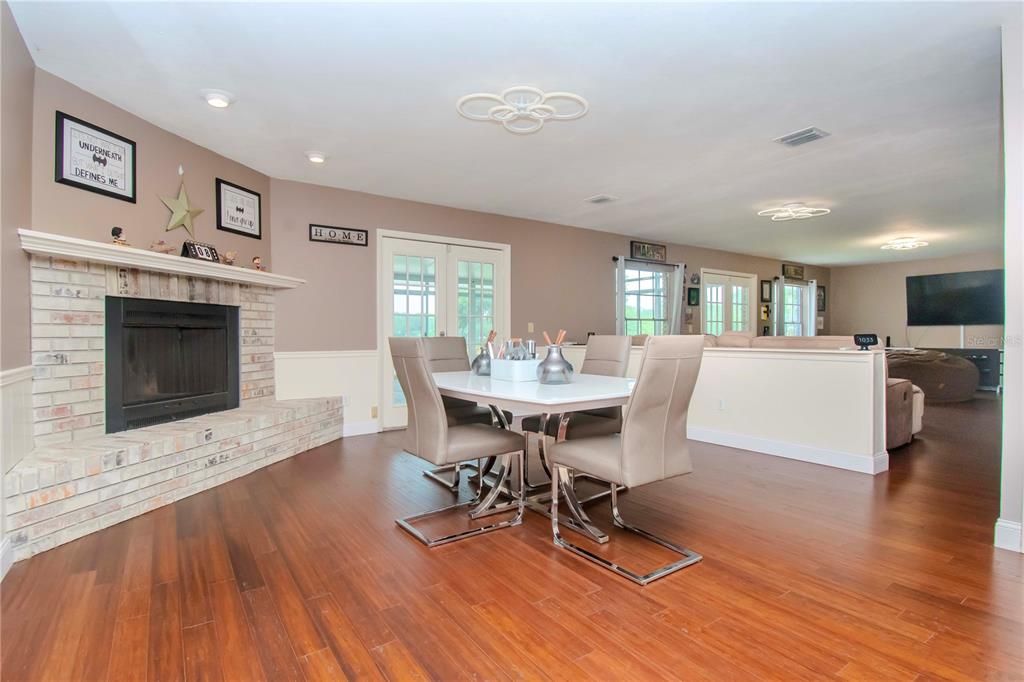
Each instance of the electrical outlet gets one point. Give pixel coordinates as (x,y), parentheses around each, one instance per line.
(529,327)
(373,412)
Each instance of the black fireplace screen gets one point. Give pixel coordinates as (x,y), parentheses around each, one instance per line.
(169,360)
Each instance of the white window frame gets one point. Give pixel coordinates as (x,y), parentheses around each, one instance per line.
(671,313)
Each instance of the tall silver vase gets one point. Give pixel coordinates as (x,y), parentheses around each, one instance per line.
(481,365)
(554,369)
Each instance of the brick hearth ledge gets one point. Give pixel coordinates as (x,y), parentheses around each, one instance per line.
(61,492)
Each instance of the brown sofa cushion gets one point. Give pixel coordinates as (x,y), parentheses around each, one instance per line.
(942,377)
(899,412)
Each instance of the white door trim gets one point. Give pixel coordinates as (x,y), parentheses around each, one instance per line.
(755,295)
(382,234)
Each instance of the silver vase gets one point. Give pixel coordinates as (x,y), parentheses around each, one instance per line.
(481,365)
(554,369)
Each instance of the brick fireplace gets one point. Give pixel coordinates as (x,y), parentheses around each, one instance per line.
(80,478)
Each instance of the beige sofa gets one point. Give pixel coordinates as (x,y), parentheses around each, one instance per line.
(904,402)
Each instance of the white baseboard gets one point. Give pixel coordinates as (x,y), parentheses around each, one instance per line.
(6,557)
(841,460)
(1009,535)
(359,428)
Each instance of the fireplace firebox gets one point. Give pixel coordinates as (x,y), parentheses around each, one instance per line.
(167,360)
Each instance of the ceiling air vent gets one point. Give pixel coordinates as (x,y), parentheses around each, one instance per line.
(802,137)
(600,199)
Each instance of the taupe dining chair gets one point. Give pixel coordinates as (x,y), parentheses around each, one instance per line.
(651,446)
(449,354)
(430,437)
(607,356)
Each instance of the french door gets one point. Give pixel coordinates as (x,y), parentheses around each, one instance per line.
(728,302)
(435,289)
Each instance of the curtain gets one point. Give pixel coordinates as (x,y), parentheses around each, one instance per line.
(620,287)
(811,323)
(677,284)
(777,306)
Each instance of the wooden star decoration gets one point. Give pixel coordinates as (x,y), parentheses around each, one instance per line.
(182,213)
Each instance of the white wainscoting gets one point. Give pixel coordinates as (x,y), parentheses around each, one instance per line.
(15,416)
(352,374)
(820,406)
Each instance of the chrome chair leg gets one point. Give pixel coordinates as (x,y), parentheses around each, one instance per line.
(406,523)
(435,476)
(689,556)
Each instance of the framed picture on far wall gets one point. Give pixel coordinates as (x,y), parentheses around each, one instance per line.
(821,299)
(91,158)
(238,210)
(693,297)
(766,291)
(657,253)
(792,271)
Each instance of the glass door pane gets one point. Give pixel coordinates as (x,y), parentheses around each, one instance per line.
(714,308)
(412,281)
(477,301)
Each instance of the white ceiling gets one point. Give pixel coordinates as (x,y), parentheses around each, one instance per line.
(685,100)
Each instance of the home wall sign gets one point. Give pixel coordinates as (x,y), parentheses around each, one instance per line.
(238,210)
(338,235)
(94,159)
(657,253)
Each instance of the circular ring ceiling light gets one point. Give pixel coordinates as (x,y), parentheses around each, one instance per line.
(793,211)
(903,244)
(522,109)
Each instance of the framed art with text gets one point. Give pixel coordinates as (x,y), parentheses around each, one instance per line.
(91,158)
(338,235)
(238,210)
(792,271)
(657,253)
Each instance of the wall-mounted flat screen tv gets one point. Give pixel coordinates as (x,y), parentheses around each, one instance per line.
(955,298)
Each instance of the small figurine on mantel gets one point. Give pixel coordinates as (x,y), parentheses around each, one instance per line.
(118,234)
(228,257)
(257,263)
(160,246)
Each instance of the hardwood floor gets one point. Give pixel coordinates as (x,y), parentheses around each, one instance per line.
(298,571)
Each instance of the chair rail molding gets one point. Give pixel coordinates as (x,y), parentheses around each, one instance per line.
(72,248)
(352,374)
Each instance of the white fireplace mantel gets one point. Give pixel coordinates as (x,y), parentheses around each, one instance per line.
(47,244)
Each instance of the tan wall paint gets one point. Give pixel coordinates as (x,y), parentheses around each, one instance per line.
(561,276)
(873,298)
(16,83)
(71,211)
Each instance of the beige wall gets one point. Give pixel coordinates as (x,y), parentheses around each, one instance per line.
(18,72)
(873,298)
(561,276)
(63,209)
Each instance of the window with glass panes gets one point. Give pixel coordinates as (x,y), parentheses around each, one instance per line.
(740,308)
(475,302)
(645,302)
(414,282)
(792,310)
(714,308)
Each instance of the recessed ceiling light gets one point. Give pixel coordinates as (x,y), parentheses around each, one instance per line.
(793,211)
(903,244)
(218,99)
(316,157)
(522,109)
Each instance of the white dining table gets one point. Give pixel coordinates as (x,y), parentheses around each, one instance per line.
(585,392)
